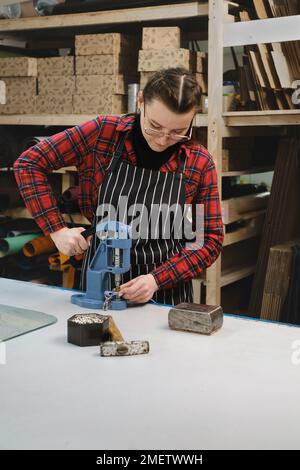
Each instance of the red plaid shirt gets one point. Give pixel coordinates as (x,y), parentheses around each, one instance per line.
(89,147)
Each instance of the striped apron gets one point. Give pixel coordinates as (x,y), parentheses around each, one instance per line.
(150,188)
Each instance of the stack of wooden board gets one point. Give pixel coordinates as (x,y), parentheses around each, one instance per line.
(268,78)
(18,85)
(104,65)
(268,8)
(161,48)
(282,218)
(277,280)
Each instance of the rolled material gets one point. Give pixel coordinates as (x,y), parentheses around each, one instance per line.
(39,246)
(10,246)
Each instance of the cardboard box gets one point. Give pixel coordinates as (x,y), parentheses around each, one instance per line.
(17,86)
(61,85)
(18,67)
(54,103)
(99,104)
(56,66)
(106,43)
(144,77)
(105,64)
(19,104)
(161,38)
(150,61)
(201,62)
(202,81)
(105,84)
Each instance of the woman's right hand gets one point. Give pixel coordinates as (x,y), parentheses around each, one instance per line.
(69,241)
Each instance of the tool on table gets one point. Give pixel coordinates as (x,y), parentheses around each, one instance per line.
(88,329)
(93,329)
(197,318)
(112,257)
(117,346)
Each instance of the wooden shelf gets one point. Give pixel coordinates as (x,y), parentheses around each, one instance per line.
(281,29)
(22,212)
(45,119)
(250,171)
(239,119)
(289,117)
(111,17)
(235,274)
(252,228)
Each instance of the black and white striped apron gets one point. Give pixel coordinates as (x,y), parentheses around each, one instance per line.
(146,187)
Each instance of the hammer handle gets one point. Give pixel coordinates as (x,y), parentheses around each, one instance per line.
(89,231)
(115,334)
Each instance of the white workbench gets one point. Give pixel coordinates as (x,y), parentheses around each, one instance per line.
(235,389)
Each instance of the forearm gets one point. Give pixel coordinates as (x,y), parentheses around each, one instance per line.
(189,264)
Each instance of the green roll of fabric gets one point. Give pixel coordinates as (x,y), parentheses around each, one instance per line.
(11,245)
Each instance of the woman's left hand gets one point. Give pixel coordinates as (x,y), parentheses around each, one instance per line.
(140,289)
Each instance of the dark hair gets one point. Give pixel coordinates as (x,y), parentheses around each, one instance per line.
(176,87)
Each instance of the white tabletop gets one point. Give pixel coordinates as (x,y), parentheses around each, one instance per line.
(236,389)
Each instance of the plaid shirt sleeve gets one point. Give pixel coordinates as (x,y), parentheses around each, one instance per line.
(190,263)
(66,148)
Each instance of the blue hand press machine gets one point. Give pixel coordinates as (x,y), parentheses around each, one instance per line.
(112,256)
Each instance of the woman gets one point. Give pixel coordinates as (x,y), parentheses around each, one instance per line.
(147,158)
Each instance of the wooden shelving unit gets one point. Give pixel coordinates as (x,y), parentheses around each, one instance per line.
(224,124)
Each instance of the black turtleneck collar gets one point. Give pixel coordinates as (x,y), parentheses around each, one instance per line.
(146,157)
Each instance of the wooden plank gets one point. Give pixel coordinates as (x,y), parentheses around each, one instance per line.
(130,15)
(215,124)
(22,212)
(243,119)
(46,119)
(229,276)
(252,229)
(286,28)
(250,171)
(289,117)
(235,208)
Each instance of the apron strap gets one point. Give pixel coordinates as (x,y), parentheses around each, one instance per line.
(117,156)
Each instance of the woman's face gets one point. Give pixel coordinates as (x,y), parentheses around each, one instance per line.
(155,115)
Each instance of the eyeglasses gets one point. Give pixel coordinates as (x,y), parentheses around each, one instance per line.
(171,135)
